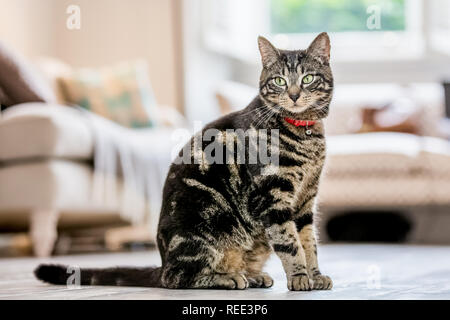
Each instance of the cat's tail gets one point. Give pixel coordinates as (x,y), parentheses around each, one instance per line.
(119,276)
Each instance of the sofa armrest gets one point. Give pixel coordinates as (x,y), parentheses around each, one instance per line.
(40,130)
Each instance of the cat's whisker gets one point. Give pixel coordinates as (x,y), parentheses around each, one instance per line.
(261,118)
(253,110)
(267,116)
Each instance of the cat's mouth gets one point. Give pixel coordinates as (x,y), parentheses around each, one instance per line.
(296,108)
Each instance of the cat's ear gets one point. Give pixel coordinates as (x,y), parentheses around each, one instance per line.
(269,54)
(320,47)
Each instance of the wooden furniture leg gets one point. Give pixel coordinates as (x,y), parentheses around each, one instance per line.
(43,231)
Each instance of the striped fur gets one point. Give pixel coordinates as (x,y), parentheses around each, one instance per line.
(220,222)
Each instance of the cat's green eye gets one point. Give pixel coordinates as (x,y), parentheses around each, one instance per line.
(280,81)
(308,79)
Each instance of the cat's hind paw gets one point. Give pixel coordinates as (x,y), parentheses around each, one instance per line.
(322,282)
(232,281)
(262,280)
(228,281)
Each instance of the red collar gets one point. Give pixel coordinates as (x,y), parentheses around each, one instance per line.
(300,123)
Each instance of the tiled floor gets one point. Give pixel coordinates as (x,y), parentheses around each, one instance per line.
(358,271)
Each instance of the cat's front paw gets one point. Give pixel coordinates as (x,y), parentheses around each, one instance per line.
(299,282)
(322,282)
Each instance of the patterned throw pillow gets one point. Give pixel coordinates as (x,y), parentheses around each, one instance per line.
(121,93)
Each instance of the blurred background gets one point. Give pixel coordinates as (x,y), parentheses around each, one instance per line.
(96,97)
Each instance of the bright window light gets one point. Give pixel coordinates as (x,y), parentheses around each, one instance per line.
(360,29)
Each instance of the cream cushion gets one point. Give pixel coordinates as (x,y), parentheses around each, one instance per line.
(376,154)
(436,157)
(37,130)
(385,154)
(374,192)
(386,169)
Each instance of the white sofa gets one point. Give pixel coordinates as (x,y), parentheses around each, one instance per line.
(46,172)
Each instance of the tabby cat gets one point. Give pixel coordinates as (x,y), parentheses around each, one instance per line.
(220,222)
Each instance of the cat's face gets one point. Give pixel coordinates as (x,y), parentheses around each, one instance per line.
(298,83)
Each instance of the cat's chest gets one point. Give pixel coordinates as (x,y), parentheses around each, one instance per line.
(297,161)
(302,160)
(309,150)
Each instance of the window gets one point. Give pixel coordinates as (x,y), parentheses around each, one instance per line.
(300,16)
(439,31)
(360,30)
